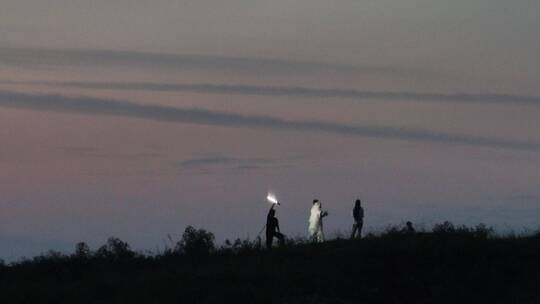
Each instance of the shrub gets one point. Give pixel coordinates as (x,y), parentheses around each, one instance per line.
(444,228)
(196,243)
(82,250)
(390,231)
(479,231)
(115,248)
(483,231)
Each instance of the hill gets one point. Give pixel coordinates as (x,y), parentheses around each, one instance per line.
(448,265)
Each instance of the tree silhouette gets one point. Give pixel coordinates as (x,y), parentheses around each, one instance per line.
(197,243)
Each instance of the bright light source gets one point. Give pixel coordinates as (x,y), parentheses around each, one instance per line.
(272,198)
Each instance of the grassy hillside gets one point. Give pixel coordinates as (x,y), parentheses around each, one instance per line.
(444,266)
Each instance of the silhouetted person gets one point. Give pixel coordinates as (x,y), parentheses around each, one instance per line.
(316,222)
(358,215)
(272,229)
(409,229)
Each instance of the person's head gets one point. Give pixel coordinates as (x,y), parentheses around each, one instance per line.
(315,201)
(272,213)
(409,224)
(357,203)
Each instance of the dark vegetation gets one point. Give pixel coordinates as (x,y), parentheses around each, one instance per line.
(447,265)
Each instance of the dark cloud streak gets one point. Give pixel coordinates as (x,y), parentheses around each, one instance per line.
(220,160)
(206,161)
(41,57)
(111,107)
(92,152)
(305,92)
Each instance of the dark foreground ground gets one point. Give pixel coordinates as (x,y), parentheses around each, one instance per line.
(447,267)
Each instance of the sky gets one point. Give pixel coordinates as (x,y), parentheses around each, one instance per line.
(134,118)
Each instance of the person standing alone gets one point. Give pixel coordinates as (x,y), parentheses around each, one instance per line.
(358,215)
(316,222)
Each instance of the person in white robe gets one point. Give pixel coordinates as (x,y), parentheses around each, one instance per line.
(315,229)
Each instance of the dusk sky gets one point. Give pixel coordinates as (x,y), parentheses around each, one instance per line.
(134,118)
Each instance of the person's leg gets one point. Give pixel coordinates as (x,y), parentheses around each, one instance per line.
(320,235)
(360,225)
(269,239)
(354,227)
(281,238)
(313,234)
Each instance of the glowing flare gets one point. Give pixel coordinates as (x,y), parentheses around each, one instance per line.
(271,198)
